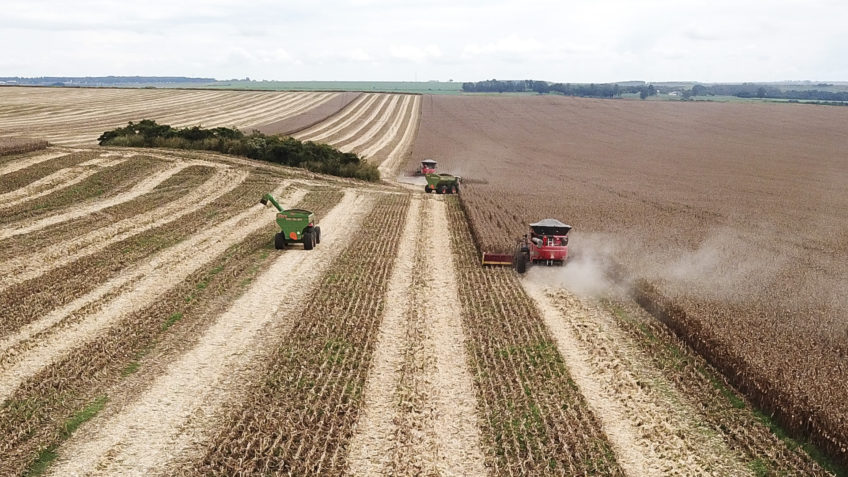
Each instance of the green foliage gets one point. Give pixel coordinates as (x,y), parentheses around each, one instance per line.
(48,455)
(283,150)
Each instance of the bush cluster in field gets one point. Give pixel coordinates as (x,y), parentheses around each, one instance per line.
(284,150)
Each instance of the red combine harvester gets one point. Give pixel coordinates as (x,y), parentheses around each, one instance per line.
(428,166)
(546,243)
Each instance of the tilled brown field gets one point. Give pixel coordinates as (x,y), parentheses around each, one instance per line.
(148,326)
(734,214)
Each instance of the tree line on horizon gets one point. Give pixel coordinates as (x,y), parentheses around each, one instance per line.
(616,90)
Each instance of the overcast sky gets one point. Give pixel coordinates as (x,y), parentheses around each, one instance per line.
(567,41)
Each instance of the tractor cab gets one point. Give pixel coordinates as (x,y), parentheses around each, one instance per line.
(428,166)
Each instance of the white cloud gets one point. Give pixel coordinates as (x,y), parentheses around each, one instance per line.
(418,54)
(605,40)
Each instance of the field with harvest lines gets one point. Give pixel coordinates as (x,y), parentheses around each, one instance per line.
(148,325)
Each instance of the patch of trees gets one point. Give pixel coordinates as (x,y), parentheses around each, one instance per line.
(278,149)
(754,90)
(592,90)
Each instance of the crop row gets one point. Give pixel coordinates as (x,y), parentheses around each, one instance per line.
(535,421)
(66,118)
(32,418)
(299,417)
(720,406)
(370,125)
(15,145)
(31,299)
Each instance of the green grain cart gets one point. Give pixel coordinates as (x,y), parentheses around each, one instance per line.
(442,183)
(297,226)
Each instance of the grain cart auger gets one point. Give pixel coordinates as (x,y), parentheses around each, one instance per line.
(296,225)
(546,243)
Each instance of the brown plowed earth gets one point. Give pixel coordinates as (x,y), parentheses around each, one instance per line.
(736,212)
(147,341)
(309,118)
(418,414)
(534,421)
(215,372)
(20,178)
(299,416)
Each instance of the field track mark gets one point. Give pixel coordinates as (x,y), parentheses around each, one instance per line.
(419,411)
(368,127)
(371,446)
(337,123)
(388,167)
(195,388)
(455,436)
(141,188)
(32,265)
(58,180)
(38,344)
(30,161)
(332,121)
(650,428)
(397,120)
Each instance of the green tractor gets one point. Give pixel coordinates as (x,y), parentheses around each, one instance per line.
(297,226)
(442,183)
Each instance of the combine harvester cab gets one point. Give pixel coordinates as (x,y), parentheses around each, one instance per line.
(428,166)
(442,183)
(296,226)
(546,243)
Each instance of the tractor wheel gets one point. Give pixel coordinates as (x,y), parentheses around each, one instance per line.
(279,241)
(521,263)
(308,241)
(317,232)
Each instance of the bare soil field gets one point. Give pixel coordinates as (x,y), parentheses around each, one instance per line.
(733,215)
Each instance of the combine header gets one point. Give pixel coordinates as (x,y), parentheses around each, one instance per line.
(296,226)
(546,243)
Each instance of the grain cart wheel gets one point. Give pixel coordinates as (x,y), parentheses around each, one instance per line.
(317,232)
(427,189)
(279,241)
(456,188)
(453,189)
(308,240)
(443,189)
